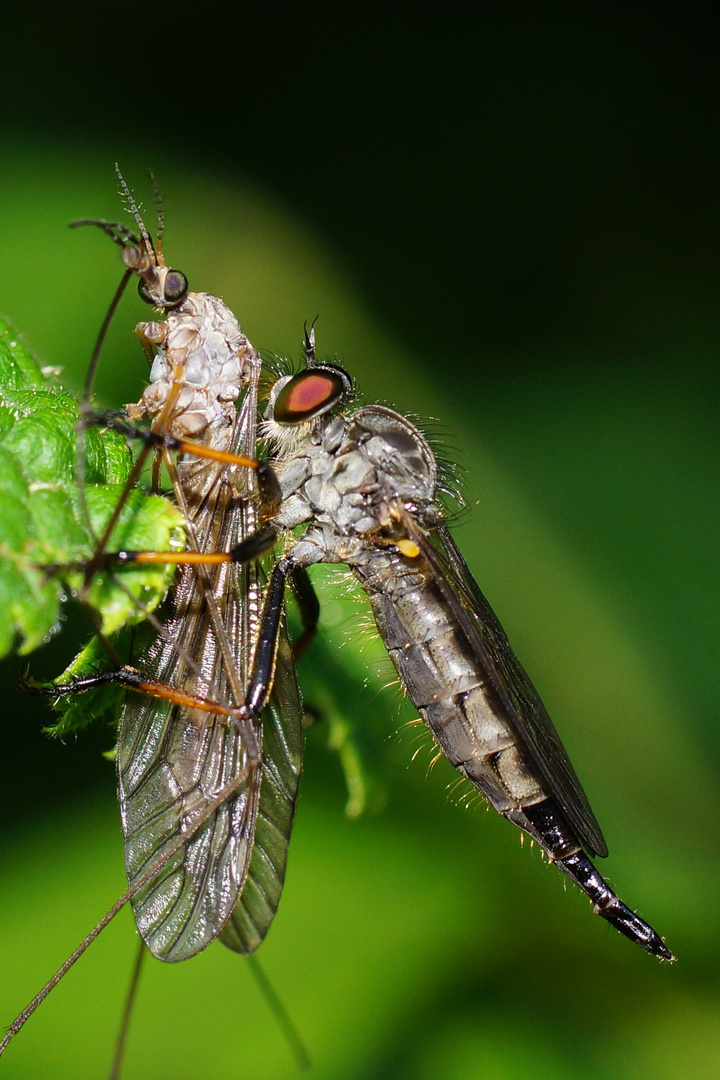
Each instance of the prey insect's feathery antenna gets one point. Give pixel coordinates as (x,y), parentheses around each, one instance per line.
(134,210)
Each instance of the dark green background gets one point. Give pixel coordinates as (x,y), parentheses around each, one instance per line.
(508,218)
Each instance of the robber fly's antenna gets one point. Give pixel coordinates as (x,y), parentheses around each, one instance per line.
(133,208)
(309,343)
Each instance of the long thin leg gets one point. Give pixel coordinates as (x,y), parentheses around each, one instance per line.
(281,1015)
(146,876)
(127,1014)
(133,679)
(249,549)
(269,488)
(263,665)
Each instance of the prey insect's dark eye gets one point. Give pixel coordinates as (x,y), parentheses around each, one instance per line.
(309,394)
(175,289)
(145,293)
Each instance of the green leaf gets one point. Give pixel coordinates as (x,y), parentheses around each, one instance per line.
(46,522)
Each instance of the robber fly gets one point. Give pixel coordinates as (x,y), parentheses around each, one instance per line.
(364,484)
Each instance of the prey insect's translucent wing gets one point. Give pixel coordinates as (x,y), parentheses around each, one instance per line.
(174,760)
(281,768)
(516,696)
(171,766)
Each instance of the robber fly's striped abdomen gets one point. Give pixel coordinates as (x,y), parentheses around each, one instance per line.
(457,687)
(443,681)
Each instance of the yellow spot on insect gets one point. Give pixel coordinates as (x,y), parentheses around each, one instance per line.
(408,548)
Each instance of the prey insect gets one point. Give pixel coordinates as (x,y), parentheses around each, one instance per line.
(210,744)
(198,722)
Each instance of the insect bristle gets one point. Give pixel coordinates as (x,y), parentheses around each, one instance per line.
(419,750)
(422,740)
(461,793)
(438,757)
(274,367)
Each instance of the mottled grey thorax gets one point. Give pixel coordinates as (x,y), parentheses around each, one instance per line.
(351,474)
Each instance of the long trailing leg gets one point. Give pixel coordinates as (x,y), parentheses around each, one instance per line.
(128,1007)
(137,885)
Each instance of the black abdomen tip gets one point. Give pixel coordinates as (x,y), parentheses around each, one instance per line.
(635,928)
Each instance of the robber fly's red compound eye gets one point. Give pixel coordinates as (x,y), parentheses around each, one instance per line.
(310,393)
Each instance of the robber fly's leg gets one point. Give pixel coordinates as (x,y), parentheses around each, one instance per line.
(263,670)
(309,606)
(263,666)
(251,548)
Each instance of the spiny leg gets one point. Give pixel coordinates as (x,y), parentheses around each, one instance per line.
(264,656)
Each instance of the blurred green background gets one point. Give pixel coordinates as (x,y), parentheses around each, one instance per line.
(508,219)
